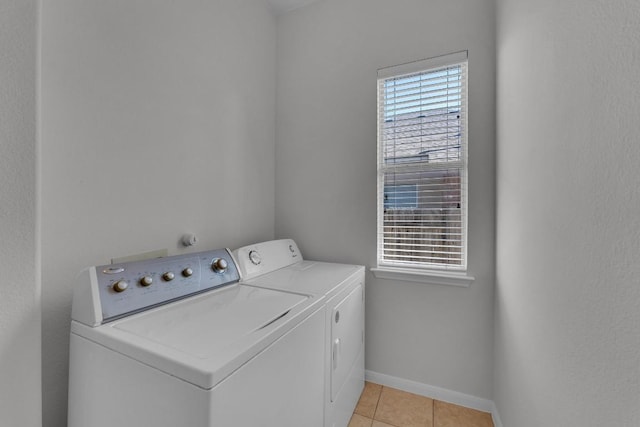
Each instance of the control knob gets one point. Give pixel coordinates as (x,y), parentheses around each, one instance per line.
(168,276)
(146,281)
(219,265)
(255,258)
(120,286)
(187,272)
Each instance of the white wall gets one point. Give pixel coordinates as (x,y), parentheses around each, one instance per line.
(328,54)
(567,299)
(158,118)
(20,401)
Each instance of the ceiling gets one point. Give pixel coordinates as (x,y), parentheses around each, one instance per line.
(283,6)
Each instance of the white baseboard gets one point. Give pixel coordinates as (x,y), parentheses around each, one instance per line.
(495,416)
(437,393)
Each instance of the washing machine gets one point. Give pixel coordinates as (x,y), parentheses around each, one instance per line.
(279,265)
(179,341)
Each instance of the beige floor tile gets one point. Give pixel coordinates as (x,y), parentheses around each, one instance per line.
(403,409)
(368,400)
(380,424)
(450,415)
(360,421)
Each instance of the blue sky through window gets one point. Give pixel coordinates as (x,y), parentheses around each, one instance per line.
(423,92)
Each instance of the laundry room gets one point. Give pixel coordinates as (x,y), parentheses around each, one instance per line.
(126,124)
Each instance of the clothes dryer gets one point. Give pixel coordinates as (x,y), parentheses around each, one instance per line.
(279,265)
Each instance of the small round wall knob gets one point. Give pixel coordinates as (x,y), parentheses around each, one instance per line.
(168,276)
(187,272)
(120,286)
(189,239)
(219,265)
(146,281)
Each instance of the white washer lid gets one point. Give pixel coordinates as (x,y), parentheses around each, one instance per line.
(202,327)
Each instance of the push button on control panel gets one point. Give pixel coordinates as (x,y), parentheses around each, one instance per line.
(168,276)
(120,286)
(146,281)
(219,265)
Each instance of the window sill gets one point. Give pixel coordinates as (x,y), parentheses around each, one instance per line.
(424,276)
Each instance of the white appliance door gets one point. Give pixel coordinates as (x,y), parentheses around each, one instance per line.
(346,338)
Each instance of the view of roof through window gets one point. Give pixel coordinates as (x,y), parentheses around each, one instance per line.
(422,116)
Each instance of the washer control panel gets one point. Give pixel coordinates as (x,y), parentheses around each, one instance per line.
(132,287)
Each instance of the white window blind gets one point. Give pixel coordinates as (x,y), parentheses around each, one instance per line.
(422,164)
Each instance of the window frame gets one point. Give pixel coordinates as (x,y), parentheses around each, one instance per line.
(424,272)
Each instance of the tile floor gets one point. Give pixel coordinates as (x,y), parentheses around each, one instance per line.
(381,406)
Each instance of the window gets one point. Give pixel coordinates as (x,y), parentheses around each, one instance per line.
(422,165)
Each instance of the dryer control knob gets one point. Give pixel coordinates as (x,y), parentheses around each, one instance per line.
(168,276)
(255,258)
(219,265)
(120,286)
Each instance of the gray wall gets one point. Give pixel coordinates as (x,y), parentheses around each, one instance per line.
(328,54)
(140,100)
(567,299)
(20,401)
(158,118)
